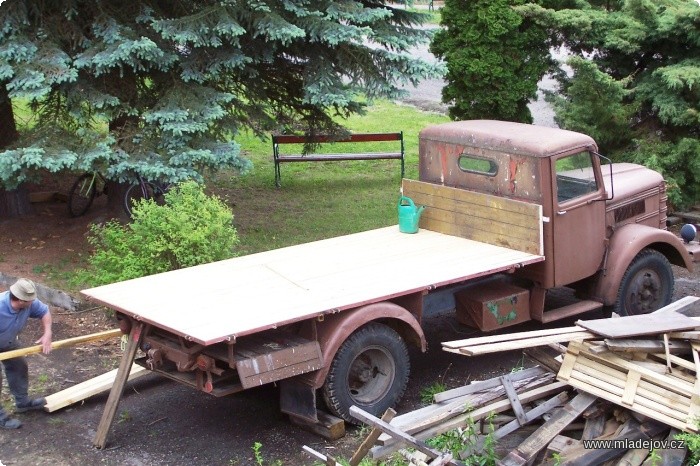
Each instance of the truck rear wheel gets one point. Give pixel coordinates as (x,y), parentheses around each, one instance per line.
(646,286)
(370,370)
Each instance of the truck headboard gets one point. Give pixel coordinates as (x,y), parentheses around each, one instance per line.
(480,217)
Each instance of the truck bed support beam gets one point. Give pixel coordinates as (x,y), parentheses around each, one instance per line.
(119,382)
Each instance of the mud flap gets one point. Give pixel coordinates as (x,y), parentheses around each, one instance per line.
(298,398)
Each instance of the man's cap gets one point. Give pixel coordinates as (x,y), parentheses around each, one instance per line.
(24,289)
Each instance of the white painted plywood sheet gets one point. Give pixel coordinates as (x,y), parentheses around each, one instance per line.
(213,302)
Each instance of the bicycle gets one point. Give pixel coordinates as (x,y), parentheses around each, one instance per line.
(83,192)
(143,189)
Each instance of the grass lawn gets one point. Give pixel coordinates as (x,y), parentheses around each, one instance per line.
(322,199)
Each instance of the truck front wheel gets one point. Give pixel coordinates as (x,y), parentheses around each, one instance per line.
(370,370)
(646,286)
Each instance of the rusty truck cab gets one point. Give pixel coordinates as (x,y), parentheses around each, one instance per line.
(585,204)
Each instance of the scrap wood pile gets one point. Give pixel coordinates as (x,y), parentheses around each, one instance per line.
(630,381)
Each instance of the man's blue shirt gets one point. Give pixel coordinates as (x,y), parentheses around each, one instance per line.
(12,322)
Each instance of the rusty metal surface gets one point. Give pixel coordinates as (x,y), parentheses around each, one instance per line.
(508,137)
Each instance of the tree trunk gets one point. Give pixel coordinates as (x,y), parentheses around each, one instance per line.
(16,202)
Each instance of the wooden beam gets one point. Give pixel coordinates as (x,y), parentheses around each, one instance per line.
(327,426)
(367,444)
(527,450)
(119,382)
(87,389)
(60,344)
(460,420)
(399,435)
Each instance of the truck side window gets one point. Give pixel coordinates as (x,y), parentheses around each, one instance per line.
(478,165)
(575,176)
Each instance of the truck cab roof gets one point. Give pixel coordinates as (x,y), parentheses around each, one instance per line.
(510,137)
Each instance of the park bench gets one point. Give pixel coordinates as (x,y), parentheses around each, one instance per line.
(279,157)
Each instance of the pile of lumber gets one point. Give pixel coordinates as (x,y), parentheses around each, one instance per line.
(630,381)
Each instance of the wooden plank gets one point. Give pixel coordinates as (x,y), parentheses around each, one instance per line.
(368,442)
(424,418)
(305,281)
(544,358)
(115,393)
(646,324)
(460,420)
(456,344)
(513,398)
(482,217)
(633,378)
(479,386)
(594,426)
(648,346)
(87,389)
(618,378)
(327,426)
(687,305)
(61,344)
(527,450)
(617,382)
(398,435)
(629,432)
(531,415)
(520,344)
(280,363)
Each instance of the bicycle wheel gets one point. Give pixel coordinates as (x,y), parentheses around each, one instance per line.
(136,192)
(81,195)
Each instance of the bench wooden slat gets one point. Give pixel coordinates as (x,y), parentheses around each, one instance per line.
(336,157)
(360,137)
(279,158)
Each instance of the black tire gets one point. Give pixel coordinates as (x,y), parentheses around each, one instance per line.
(136,192)
(646,286)
(370,370)
(81,195)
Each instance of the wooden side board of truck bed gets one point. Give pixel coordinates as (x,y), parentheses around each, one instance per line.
(228,299)
(481,217)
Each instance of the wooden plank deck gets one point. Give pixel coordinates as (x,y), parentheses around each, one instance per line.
(231,298)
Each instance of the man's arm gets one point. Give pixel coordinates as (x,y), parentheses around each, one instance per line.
(45,340)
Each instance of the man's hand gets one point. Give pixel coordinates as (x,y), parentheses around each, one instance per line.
(45,342)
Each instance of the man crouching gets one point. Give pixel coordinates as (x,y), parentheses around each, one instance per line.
(16,306)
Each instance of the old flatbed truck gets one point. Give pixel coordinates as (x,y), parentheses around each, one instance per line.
(512,213)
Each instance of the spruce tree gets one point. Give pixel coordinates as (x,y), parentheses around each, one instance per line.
(161,88)
(635,83)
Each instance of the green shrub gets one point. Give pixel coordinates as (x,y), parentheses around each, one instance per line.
(191,228)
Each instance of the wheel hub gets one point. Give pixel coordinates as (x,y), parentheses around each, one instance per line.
(646,292)
(371,375)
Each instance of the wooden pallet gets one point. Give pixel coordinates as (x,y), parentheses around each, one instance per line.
(668,398)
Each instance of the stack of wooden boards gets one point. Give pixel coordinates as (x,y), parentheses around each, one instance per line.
(629,379)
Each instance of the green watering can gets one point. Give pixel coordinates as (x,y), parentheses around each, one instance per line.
(409,215)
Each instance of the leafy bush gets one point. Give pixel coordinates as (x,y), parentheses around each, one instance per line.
(191,228)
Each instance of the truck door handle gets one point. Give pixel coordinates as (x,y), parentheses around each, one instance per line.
(561,212)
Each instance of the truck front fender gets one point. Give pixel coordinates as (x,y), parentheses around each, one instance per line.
(336,328)
(625,244)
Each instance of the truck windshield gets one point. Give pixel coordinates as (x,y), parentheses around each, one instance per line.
(575,176)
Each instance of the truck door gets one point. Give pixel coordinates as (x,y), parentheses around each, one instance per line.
(578,216)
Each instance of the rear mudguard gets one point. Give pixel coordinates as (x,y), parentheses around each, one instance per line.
(625,244)
(334,329)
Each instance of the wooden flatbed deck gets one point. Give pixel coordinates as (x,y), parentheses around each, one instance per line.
(228,299)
